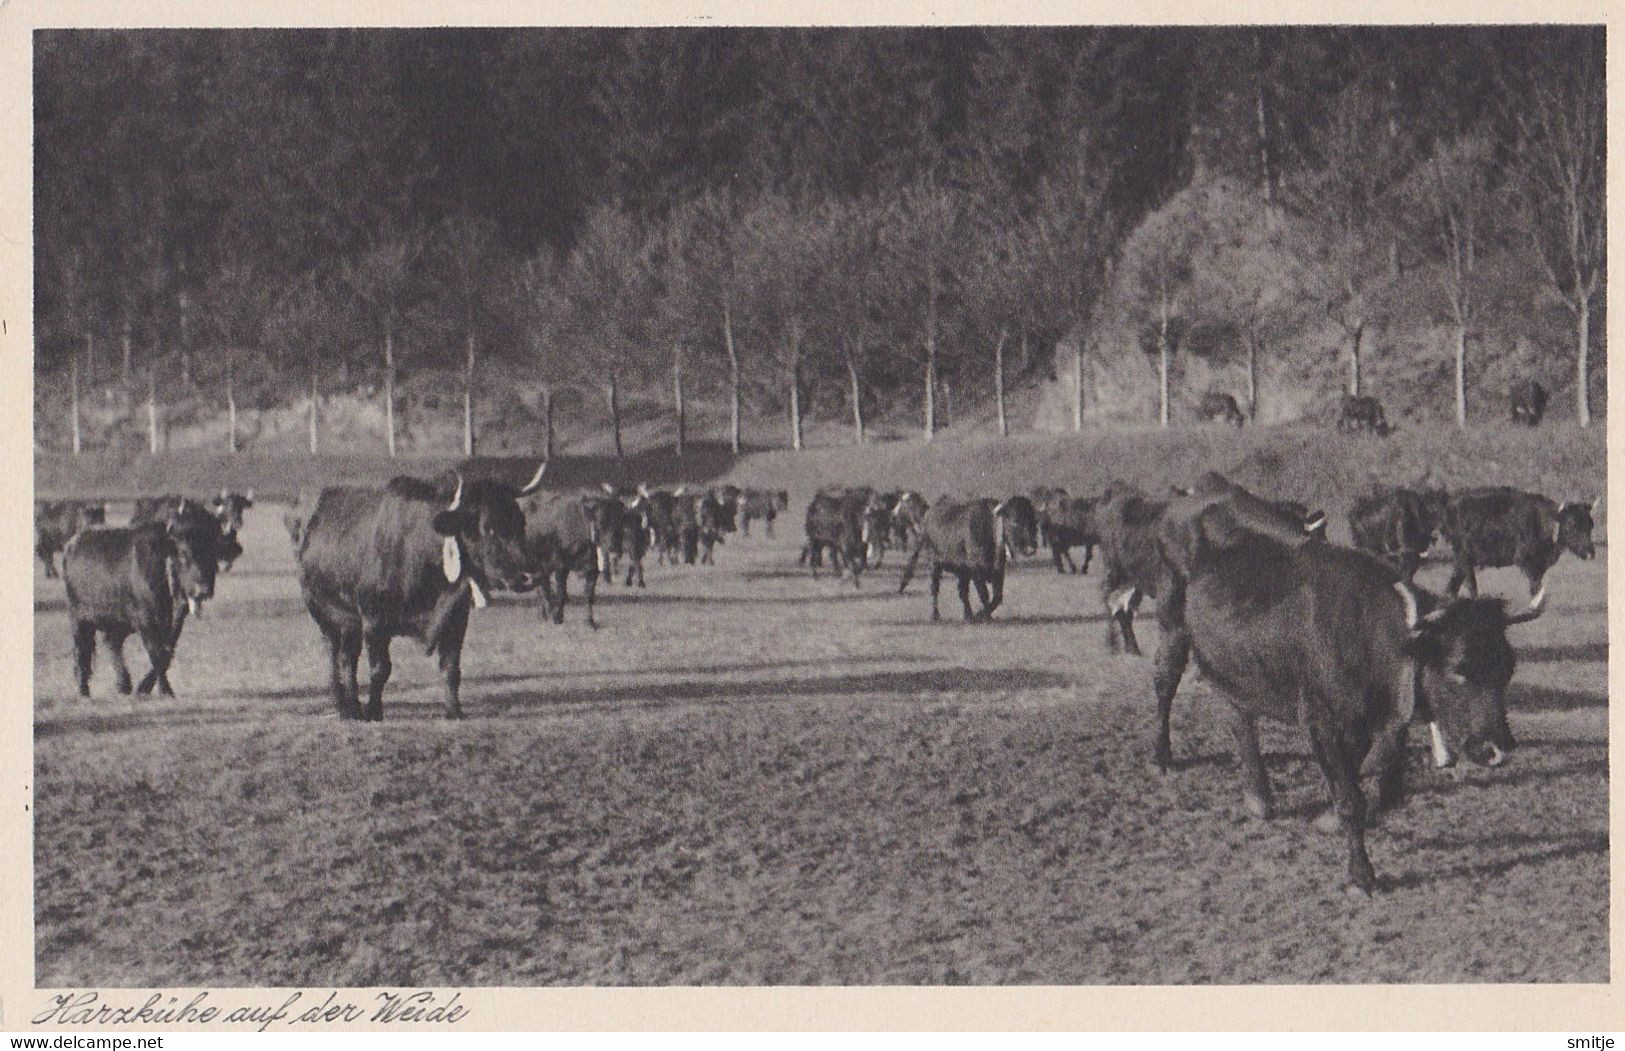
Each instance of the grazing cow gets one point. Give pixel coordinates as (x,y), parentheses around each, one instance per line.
(841,523)
(570,533)
(1398,524)
(1360,412)
(764,504)
(1066,524)
(1328,638)
(1216,405)
(636,529)
(974,539)
(140,579)
(407,560)
(907,516)
(167,509)
(1128,523)
(1494,527)
(55,523)
(1528,402)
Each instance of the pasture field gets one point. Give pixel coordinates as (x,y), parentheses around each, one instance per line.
(751,777)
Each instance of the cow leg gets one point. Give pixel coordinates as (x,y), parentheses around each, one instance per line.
(770,525)
(936,588)
(121,671)
(1255,789)
(1339,755)
(592,591)
(998,591)
(451,659)
(1535,577)
(1408,563)
(982,596)
(84,652)
(1088,556)
(378,669)
(964,592)
(1057,554)
(1463,574)
(49,559)
(1168,669)
(1389,760)
(156,641)
(561,588)
(344,652)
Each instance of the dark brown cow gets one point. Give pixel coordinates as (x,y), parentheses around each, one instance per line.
(55,523)
(973,539)
(1330,639)
(570,533)
(1498,526)
(142,579)
(1216,405)
(408,560)
(1528,400)
(764,504)
(1398,524)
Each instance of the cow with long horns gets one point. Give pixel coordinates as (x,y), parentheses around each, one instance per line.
(1330,639)
(408,560)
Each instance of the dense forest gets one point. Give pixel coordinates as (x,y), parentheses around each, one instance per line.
(836,221)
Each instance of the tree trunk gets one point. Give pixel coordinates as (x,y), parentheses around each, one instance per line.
(733,378)
(1461,375)
(186,343)
(547,423)
(468,400)
(1265,166)
(614,392)
(1077,388)
(152,410)
(947,403)
(73,412)
(677,398)
(1254,343)
(127,341)
(998,383)
(90,359)
(1582,380)
(795,386)
(315,401)
(389,391)
(1356,334)
(1162,359)
(931,360)
(857,401)
(231,407)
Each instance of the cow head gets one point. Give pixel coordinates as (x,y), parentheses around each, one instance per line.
(485,530)
(1020,523)
(92,515)
(1463,663)
(196,548)
(228,508)
(1574,527)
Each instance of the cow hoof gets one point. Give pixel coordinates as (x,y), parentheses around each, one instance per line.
(1256,807)
(1327,821)
(454,714)
(123,688)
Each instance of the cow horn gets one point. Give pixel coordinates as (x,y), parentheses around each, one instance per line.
(180,508)
(535,482)
(998,508)
(643,490)
(1315,523)
(1537,606)
(457,497)
(1413,619)
(610,489)
(680,490)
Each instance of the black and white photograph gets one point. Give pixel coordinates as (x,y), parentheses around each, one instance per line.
(730,506)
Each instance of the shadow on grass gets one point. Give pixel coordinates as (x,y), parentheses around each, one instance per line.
(1549,848)
(667,694)
(1529,697)
(1587,652)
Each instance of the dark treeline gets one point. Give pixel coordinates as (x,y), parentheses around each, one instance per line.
(850,216)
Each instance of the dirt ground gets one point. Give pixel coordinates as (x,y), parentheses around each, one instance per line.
(751,777)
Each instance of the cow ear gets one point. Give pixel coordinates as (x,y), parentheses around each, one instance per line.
(450,523)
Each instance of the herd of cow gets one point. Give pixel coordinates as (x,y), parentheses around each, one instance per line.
(1284,623)
(1361,412)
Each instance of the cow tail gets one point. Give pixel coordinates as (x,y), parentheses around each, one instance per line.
(913,560)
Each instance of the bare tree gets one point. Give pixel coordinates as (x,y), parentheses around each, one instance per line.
(1453,197)
(924,243)
(461,262)
(843,237)
(1562,121)
(383,280)
(1157,264)
(782,294)
(538,308)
